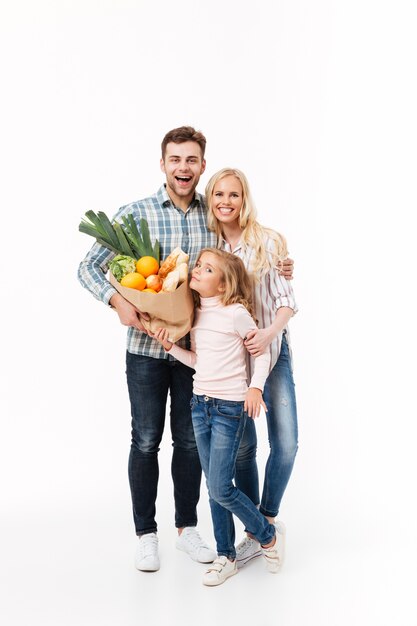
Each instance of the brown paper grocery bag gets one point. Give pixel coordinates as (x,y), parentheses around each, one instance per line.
(174,310)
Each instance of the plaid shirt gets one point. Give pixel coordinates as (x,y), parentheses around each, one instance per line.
(172,227)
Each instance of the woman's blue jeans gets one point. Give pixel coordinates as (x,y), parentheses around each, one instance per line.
(279,397)
(218,428)
(149,380)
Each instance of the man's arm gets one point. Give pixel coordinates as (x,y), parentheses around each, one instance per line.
(92,275)
(128,314)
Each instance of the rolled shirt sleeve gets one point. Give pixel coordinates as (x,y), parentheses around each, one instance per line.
(281,290)
(92,273)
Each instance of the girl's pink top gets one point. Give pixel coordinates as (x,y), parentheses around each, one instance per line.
(217,352)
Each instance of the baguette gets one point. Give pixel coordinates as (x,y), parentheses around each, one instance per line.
(182,258)
(171,281)
(183,272)
(169,264)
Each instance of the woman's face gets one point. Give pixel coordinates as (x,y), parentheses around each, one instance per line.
(227,200)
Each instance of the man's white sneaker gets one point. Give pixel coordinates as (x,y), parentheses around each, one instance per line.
(220,570)
(274,556)
(146,557)
(190,542)
(247,550)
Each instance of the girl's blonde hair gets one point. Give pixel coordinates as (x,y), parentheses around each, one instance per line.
(253,234)
(236,280)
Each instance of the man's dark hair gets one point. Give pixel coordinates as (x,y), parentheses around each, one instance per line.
(182,134)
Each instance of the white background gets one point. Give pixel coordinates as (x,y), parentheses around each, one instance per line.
(316,102)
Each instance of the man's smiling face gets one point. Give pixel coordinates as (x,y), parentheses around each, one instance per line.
(183,166)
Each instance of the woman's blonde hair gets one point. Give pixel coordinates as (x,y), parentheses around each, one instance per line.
(236,280)
(253,234)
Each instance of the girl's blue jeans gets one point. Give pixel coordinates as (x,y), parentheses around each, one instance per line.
(218,428)
(279,397)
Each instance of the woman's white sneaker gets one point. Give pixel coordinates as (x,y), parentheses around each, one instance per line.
(247,550)
(190,542)
(220,570)
(274,556)
(146,557)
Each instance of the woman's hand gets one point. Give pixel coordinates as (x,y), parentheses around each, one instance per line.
(161,335)
(253,402)
(258,340)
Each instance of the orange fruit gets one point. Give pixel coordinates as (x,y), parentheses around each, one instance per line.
(149,290)
(134,280)
(147,265)
(154,282)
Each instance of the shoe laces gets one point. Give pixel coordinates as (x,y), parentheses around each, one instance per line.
(194,538)
(149,543)
(246,544)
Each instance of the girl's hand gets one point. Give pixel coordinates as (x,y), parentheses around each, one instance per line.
(161,335)
(253,402)
(258,340)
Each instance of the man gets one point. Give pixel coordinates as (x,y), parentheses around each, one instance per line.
(176,216)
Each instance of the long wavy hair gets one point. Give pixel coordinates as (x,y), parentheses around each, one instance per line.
(236,280)
(253,234)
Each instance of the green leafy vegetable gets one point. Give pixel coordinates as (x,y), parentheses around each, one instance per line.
(122,265)
(126,239)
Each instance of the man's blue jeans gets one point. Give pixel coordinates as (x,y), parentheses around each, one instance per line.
(279,397)
(149,381)
(218,427)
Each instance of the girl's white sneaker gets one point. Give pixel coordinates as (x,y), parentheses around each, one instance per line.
(274,556)
(219,571)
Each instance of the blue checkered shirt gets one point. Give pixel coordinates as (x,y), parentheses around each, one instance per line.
(172,227)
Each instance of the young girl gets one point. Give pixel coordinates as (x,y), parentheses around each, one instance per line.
(222,401)
(232,216)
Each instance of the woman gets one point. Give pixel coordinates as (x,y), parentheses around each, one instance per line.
(232,216)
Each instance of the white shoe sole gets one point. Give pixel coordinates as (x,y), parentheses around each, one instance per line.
(195,558)
(147,568)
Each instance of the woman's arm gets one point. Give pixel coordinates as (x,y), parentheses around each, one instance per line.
(258,340)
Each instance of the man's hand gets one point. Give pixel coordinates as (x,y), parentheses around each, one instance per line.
(286,268)
(253,402)
(161,335)
(128,314)
(258,340)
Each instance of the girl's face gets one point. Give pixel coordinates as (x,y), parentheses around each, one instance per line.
(207,276)
(227,200)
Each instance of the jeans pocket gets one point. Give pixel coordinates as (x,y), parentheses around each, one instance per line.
(232,410)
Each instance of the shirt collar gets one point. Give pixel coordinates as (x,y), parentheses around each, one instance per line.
(226,246)
(165,200)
